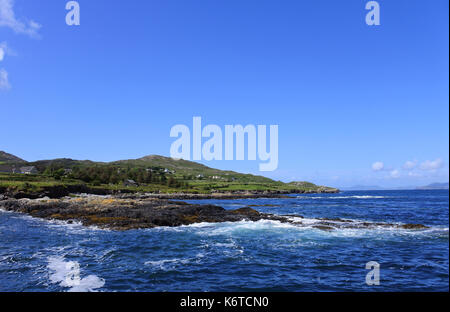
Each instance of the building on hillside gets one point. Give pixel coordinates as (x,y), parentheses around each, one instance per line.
(68,171)
(130,183)
(28,170)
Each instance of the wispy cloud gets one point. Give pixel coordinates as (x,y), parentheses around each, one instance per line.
(4,82)
(19,26)
(410,164)
(412,169)
(432,164)
(2,52)
(378,166)
(5,50)
(8,19)
(395,174)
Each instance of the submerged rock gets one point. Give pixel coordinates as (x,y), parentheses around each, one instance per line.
(324,227)
(413,226)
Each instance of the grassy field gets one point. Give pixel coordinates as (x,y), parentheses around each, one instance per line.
(37,183)
(153,174)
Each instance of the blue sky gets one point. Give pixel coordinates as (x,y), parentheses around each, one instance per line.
(353,103)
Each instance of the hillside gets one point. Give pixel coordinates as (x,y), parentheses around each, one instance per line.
(9,158)
(190,170)
(147,174)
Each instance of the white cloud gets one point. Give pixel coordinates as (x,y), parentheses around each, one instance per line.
(410,164)
(377,166)
(432,164)
(5,50)
(8,19)
(395,174)
(4,82)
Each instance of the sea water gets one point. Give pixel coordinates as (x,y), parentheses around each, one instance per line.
(41,255)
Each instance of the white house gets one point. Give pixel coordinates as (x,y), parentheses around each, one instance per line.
(28,170)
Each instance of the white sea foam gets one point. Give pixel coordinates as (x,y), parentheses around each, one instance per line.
(163,264)
(67,275)
(230,228)
(72,225)
(174,263)
(225,245)
(85,195)
(343,197)
(304,228)
(5,211)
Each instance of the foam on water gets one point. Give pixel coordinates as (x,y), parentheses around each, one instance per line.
(343,197)
(174,263)
(167,264)
(305,229)
(214,229)
(67,274)
(73,225)
(5,211)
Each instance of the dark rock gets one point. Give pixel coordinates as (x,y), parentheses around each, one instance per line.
(324,227)
(118,213)
(413,226)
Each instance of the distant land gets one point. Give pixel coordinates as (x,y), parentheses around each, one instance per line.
(432,186)
(362,188)
(149,174)
(435,186)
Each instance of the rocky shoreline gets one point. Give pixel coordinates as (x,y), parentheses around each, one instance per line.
(140,212)
(60,191)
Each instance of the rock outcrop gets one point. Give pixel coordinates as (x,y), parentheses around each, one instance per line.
(119,213)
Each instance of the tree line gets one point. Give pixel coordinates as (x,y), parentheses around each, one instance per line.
(114,175)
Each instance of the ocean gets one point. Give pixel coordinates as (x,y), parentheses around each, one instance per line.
(39,255)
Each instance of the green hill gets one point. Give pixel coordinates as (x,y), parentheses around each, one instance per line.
(9,158)
(190,170)
(148,174)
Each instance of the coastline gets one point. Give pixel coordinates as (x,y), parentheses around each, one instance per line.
(59,191)
(125,213)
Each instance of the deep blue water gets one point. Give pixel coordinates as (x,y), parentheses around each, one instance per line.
(38,255)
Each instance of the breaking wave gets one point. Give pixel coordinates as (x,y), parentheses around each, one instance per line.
(344,197)
(67,274)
